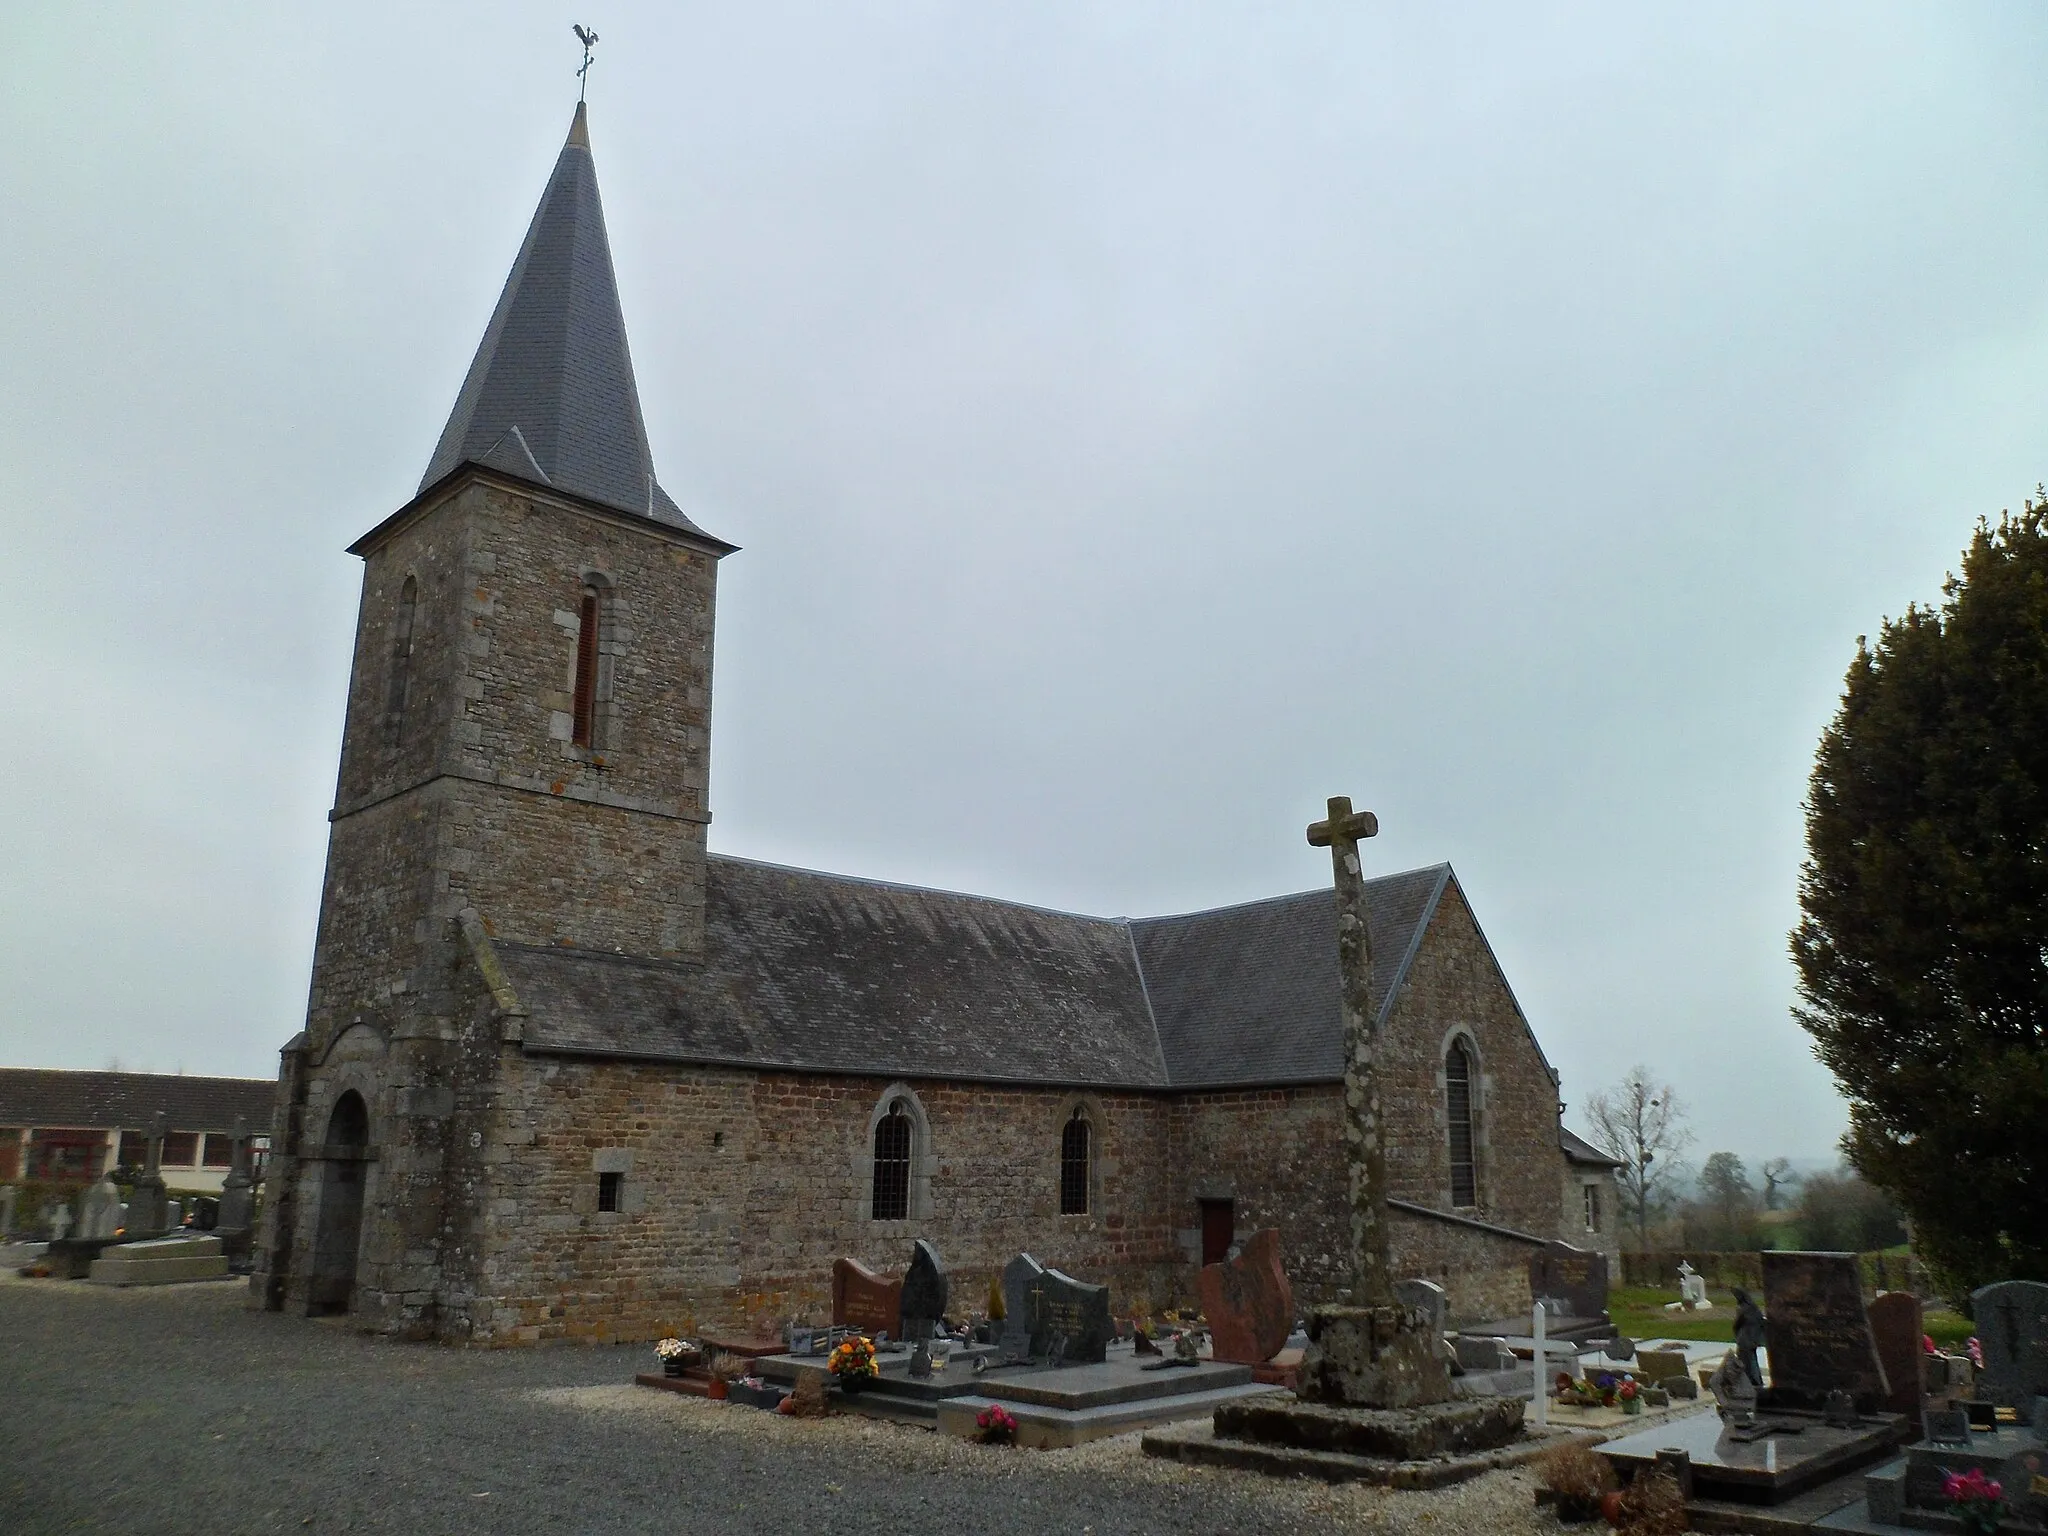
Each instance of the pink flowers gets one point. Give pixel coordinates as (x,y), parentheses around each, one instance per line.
(1971,1487)
(996,1424)
(1976,1352)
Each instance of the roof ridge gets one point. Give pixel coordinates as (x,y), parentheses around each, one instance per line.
(919,890)
(1267,901)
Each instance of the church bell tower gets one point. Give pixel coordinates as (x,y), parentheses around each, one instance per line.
(526,752)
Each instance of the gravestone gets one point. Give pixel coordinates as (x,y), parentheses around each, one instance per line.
(923,1293)
(1248,1302)
(1574,1275)
(1897,1325)
(2012,1328)
(1945,1426)
(1427,1297)
(237,1191)
(99,1212)
(1692,1287)
(60,1221)
(2025,1476)
(1657,1366)
(863,1299)
(147,1213)
(1476,1353)
(1818,1331)
(1044,1305)
(1019,1276)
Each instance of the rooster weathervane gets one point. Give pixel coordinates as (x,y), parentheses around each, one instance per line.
(588,38)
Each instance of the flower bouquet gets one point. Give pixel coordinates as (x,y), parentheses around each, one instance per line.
(996,1425)
(1975,1500)
(852,1362)
(676,1355)
(1629,1395)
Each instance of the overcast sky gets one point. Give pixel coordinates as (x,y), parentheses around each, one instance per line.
(1140,422)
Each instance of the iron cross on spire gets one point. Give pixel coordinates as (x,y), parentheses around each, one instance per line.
(1371,1278)
(588,39)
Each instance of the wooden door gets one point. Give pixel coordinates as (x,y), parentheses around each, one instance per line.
(1219,1226)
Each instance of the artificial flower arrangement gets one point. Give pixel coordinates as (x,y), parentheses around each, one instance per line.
(996,1424)
(853,1359)
(676,1355)
(1975,1499)
(1603,1391)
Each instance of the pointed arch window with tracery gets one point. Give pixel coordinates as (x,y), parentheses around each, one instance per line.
(1458,1115)
(1074,1158)
(892,1165)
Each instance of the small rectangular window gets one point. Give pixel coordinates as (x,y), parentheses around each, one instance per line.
(1592,1207)
(134,1149)
(181,1149)
(608,1190)
(220,1150)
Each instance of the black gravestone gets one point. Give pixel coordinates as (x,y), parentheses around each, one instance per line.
(1818,1332)
(1043,1304)
(925,1292)
(2012,1328)
(1020,1275)
(1574,1275)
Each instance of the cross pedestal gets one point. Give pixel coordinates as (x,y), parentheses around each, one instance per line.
(1373,1352)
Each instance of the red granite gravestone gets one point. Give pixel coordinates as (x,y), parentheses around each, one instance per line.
(1248,1302)
(863,1299)
(1896,1324)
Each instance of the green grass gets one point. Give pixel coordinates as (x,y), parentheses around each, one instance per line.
(1947,1329)
(1638,1311)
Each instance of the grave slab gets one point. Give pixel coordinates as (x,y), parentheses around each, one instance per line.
(160,1261)
(1767,1470)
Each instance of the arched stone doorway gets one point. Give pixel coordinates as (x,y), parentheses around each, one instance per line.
(339,1235)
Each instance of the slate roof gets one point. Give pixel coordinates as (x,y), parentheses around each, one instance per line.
(127,1100)
(1580,1150)
(550,396)
(817,972)
(1252,993)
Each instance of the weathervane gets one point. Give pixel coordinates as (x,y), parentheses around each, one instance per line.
(588,39)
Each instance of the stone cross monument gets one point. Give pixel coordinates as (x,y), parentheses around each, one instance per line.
(1371,1283)
(1374,1353)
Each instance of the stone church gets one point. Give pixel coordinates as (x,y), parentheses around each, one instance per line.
(567,1074)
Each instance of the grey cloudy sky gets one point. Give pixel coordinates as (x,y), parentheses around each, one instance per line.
(1141,421)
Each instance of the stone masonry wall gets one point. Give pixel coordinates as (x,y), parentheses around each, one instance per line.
(740,1189)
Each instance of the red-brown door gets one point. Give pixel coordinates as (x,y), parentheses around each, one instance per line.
(1219,1226)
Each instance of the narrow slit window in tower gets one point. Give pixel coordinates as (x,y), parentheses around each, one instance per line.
(586,670)
(401,659)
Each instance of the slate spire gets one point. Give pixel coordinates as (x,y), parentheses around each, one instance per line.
(550,396)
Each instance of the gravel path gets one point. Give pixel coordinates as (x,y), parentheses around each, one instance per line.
(159,1412)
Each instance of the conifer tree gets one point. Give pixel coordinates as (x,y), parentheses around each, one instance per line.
(1923,949)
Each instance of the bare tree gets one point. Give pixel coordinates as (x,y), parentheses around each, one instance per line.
(1639,1121)
(1778,1176)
